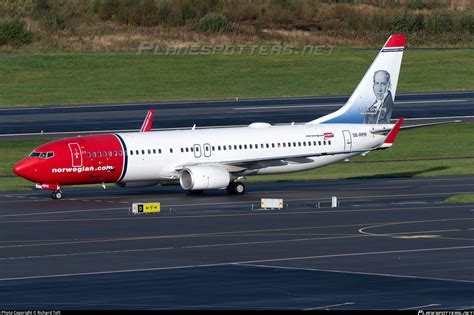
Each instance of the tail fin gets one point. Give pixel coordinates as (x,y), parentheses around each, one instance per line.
(372,100)
(148,122)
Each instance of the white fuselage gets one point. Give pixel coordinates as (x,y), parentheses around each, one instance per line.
(257,149)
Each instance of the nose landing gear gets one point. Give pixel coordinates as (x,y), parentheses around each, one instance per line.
(57,194)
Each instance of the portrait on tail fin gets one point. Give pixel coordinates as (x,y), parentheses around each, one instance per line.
(380,111)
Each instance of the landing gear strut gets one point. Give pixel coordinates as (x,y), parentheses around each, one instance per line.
(235,188)
(57,194)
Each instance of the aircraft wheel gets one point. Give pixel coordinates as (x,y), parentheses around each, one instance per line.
(57,194)
(238,188)
(230,189)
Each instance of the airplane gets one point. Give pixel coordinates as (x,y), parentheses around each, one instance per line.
(218,158)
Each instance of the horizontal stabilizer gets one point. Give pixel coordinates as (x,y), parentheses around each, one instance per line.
(431,124)
(392,135)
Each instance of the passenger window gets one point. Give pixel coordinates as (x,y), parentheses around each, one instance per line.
(319,142)
(149,151)
(279,144)
(137,152)
(171,150)
(329,142)
(219,147)
(261,145)
(294,144)
(304,143)
(289,144)
(268,145)
(182,150)
(159,151)
(250,146)
(245,146)
(223,147)
(143,152)
(314,142)
(240,146)
(235,147)
(154,151)
(299,144)
(88,154)
(273,145)
(324,142)
(120,153)
(99,154)
(187,149)
(213,148)
(230,147)
(93,154)
(284,144)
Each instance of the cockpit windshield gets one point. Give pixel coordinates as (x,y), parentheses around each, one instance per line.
(42,155)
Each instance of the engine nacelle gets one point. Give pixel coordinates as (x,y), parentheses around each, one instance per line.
(144,183)
(204,177)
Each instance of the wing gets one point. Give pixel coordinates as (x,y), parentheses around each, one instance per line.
(243,164)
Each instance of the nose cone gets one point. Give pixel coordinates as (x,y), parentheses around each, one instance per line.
(19,168)
(24,169)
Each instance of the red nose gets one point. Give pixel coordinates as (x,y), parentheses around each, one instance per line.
(24,168)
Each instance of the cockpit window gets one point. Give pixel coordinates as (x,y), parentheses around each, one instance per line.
(42,155)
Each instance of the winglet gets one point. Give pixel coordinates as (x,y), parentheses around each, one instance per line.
(392,135)
(148,122)
(396,40)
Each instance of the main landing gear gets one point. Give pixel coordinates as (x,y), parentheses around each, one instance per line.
(57,194)
(235,188)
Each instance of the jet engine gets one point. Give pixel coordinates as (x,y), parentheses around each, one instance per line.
(204,177)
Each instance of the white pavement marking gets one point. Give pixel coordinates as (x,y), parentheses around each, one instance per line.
(185,128)
(326,307)
(419,307)
(112,131)
(60,212)
(261,261)
(353,272)
(88,253)
(187,216)
(339,104)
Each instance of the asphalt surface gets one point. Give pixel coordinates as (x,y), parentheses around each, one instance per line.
(391,244)
(416,108)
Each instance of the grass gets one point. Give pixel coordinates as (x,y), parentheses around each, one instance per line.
(460,198)
(32,80)
(445,150)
